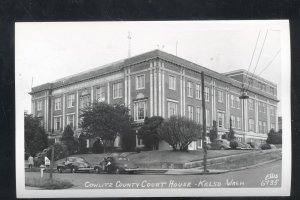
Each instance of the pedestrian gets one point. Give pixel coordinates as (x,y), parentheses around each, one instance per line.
(30,161)
(47,161)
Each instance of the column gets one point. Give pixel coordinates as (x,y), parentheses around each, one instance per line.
(125,85)
(163,92)
(227,108)
(159,89)
(129,91)
(256,114)
(183,95)
(214,104)
(181,103)
(268,117)
(151,90)
(46,113)
(63,107)
(33,108)
(51,114)
(246,115)
(108,94)
(92,95)
(276,119)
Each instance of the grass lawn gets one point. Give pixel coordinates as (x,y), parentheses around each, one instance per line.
(46,183)
(162,156)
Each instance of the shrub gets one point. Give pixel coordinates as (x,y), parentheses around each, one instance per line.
(274,137)
(128,142)
(97,146)
(60,151)
(69,140)
(265,146)
(213,133)
(82,143)
(233,144)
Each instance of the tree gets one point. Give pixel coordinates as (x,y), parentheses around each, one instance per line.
(69,140)
(82,143)
(106,121)
(274,137)
(179,132)
(149,132)
(35,135)
(97,146)
(128,141)
(213,133)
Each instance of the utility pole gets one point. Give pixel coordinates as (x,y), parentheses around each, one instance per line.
(204,124)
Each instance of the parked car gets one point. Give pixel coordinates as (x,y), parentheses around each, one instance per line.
(268,146)
(115,164)
(254,145)
(219,144)
(243,146)
(74,164)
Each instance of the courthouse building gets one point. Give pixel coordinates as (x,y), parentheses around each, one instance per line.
(157,83)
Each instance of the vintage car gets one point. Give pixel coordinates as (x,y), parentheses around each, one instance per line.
(74,164)
(219,144)
(116,165)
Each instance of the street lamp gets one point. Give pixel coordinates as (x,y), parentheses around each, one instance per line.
(243,97)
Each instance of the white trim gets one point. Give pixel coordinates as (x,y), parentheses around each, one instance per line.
(151,90)
(136,82)
(163,92)
(155,92)
(174,78)
(172,100)
(159,91)
(73,113)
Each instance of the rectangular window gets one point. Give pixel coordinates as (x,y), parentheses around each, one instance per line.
(140,82)
(190,112)
(206,93)
(272,126)
(57,104)
(172,82)
(189,89)
(265,127)
(264,107)
(139,110)
(117,90)
(221,118)
(272,90)
(199,115)
(232,101)
(238,102)
(251,125)
(251,106)
(207,113)
(57,123)
(172,109)
(220,96)
(272,110)
(238,122)
(198,91)
(100,94)
(250,81)
(84,101)
(71,101)
(260,127)
(39,105)
(264,87)
(70,120)
(233,121)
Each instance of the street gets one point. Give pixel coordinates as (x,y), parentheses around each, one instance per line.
(268,175)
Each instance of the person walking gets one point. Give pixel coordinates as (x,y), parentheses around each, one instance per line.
(30,161)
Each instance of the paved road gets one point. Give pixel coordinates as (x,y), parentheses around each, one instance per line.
(268,175)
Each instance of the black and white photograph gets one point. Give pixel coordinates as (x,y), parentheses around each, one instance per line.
(153,108)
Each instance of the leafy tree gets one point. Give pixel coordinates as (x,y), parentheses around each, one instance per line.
(106,121)
(149,132)
(82,143)
(213,133)
(35,135)
(233,144)
(97,146)
(179,132)
(69,140)
(231,135)
(128,141)
(274,137)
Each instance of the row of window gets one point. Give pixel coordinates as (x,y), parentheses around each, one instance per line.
(58,122)
(198,95)
(235,122)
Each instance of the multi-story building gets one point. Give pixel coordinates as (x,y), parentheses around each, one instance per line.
(158,83)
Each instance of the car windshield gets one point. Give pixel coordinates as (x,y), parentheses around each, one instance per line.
(76,160)
(122,158)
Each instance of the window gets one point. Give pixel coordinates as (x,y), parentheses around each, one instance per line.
(117,90)
(264,107)
(199,115)
(265,127)
(39,105)
(71,101)
(233,121)
(206,93)
(272,126)
(207,113)
(172,109)
(84,101)
(272,91)
(260,127)
(238,102)
(251,125)
(220,96)
(238,122)
(190,112)
(70,120)
(232,101)
(139,110)
(57,123)
(172,82)
(250,81)
(251,106)
(189,89)
(272,111)
(140,82)
(221,118)
(57,104)
(264,87)
(100,94)
(198,91)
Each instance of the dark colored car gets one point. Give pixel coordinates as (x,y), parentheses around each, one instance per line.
(74,164)
(243,146)
(115,164)
(219,144)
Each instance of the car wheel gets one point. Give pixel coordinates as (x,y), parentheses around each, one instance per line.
(59,169)
(117,171)
(73,170)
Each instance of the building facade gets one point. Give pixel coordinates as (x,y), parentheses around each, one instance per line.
(160,84)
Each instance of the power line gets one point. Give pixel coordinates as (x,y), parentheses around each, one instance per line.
(252,55)
(270,62)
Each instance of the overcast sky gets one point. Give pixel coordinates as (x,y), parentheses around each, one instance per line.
(49,51)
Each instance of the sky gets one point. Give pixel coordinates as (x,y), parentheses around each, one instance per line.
(48,51)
